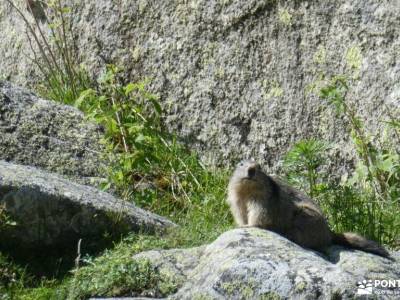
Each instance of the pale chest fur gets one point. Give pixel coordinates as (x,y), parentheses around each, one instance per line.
(249,206)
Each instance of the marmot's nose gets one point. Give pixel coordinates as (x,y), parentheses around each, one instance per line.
(251,171)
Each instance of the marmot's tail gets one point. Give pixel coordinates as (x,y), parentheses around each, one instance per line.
(356,241)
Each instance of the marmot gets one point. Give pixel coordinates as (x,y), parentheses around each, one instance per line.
(259,200)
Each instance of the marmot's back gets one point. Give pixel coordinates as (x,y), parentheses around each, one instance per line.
(295,196)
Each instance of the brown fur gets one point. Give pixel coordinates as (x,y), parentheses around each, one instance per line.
(259,200)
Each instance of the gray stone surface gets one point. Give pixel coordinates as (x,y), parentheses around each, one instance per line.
(51,211)
(136,298)
(253,263)
(48,135)
(239,77)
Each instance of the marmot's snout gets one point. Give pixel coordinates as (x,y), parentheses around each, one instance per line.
(249,168)
(251,172)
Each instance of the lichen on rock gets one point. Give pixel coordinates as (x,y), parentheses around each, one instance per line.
(48,135)
(254,263)
(204,56)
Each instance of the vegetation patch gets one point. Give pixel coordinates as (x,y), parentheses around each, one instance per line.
(116,273)
(367,201)
(5,219)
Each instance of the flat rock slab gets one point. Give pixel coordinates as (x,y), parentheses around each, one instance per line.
(258,264)
(52,211)
(49,135)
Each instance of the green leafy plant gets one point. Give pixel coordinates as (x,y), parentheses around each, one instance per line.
(131,120)
(302,162)
(374,167)
(141,152)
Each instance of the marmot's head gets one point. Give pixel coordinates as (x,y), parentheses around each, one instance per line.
(247,170)
(248,180)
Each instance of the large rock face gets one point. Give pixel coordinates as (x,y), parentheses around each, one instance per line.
(48,135)
(52,212)
(239,77)
(258,264)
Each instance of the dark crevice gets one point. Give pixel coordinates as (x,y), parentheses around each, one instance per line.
(244,127)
